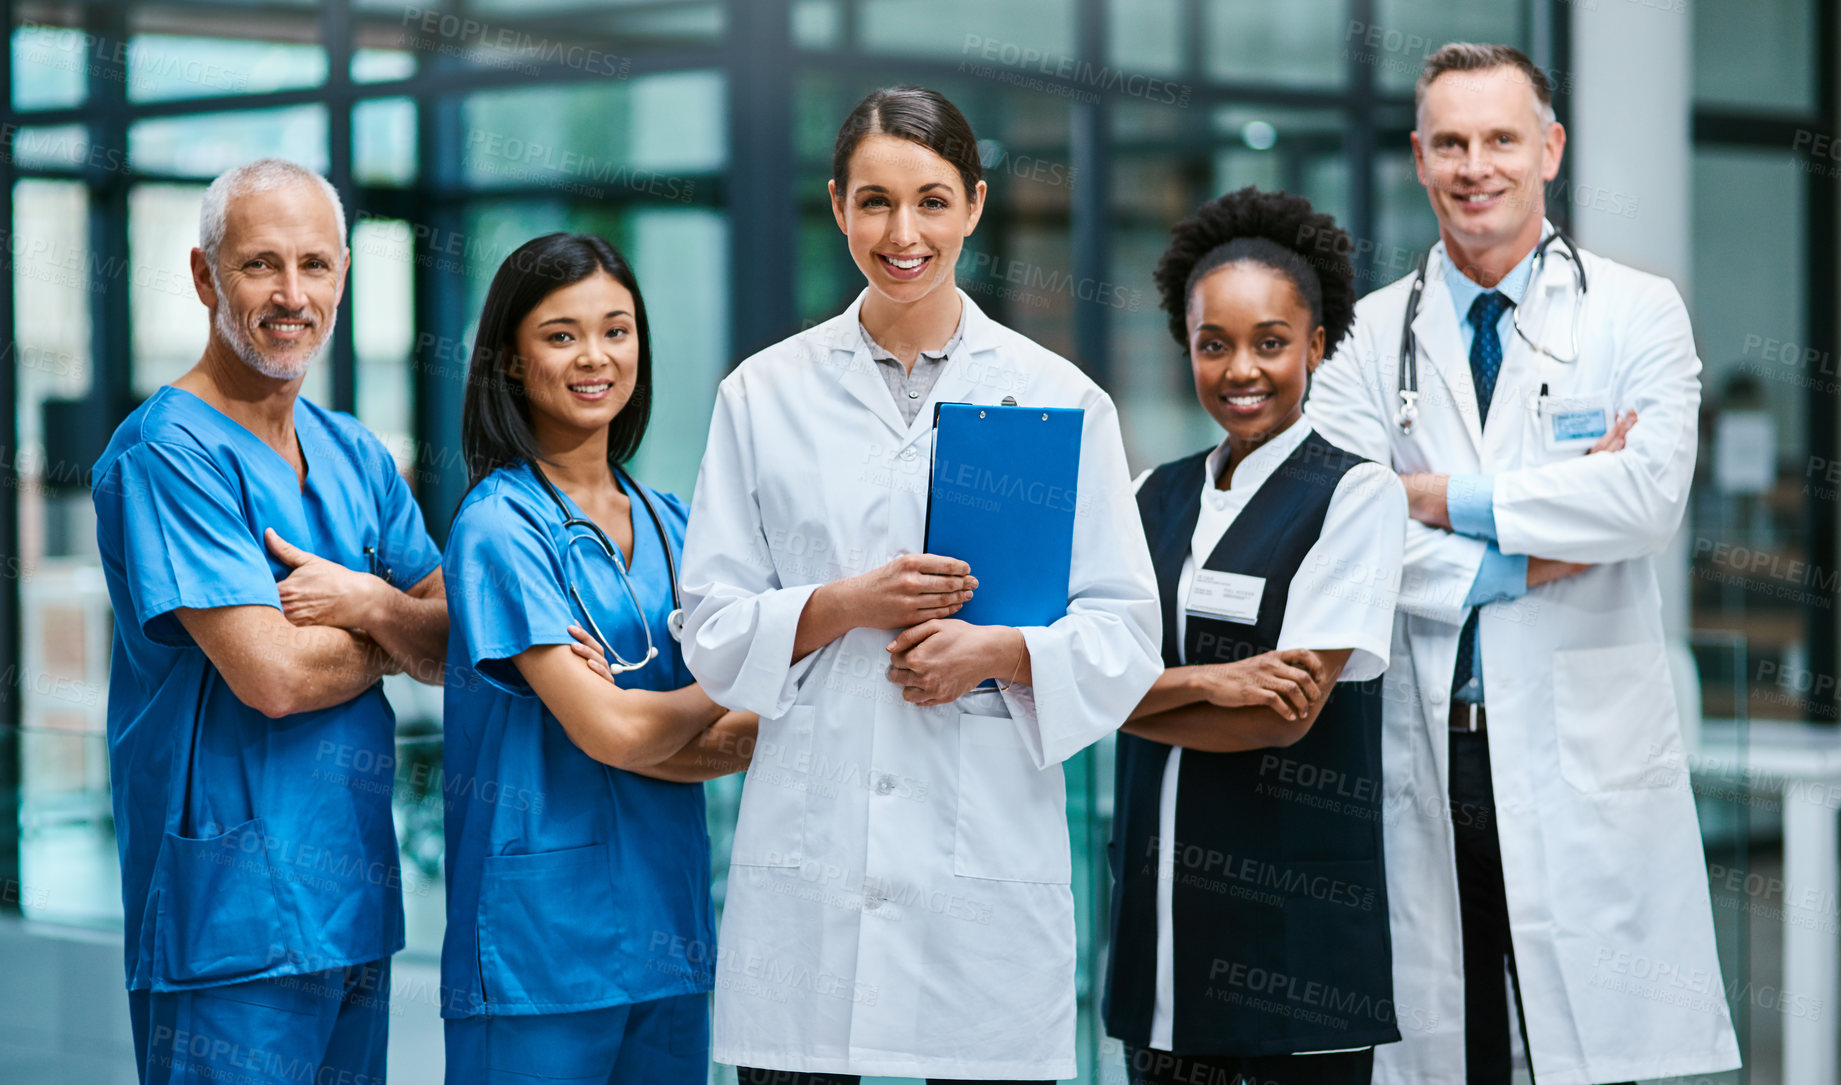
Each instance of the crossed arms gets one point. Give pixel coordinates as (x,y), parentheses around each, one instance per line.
(338,631)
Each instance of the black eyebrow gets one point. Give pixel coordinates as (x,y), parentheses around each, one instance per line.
(1261,324)
(572,320)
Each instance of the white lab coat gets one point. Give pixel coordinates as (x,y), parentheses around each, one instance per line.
(898,899)
(1601,852)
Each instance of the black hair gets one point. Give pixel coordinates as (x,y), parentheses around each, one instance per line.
(495,420)
(916,114)
(1277,230)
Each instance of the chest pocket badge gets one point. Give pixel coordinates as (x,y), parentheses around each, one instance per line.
(1568,423)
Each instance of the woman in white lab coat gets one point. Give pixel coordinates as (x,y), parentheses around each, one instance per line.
(898,899)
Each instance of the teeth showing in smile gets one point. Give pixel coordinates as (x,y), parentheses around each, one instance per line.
(285,326)
(1249,401)
(1477,197)
(908,264)
(590,389)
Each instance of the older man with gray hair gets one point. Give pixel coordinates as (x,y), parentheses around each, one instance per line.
(1545,874)
(267,566)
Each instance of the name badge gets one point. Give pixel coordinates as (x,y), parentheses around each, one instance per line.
(1567,422)
(1232,597)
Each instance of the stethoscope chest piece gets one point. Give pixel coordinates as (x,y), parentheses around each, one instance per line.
(675,623)
(1408,414)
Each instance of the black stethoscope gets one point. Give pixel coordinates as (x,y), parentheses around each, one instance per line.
(1408,413)
(674,622)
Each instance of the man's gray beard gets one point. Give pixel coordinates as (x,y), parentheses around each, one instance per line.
(234,334)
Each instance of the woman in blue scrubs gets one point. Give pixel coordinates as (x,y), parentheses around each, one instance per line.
(579,943)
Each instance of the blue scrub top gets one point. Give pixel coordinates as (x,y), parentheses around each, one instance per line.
(250,847)
(572,885)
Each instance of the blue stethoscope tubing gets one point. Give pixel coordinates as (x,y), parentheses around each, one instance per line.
(1408,412)
(675,621)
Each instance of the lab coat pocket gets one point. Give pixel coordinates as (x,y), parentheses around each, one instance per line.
(1012,817)
(222,916)
(770,827)
(1614,714)
(549,930)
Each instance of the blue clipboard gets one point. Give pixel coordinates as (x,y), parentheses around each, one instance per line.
(1001,499)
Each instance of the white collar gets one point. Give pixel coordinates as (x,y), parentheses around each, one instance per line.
(1261,462)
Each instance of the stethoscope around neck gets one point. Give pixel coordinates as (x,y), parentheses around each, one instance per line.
(1407,415)
(674,622)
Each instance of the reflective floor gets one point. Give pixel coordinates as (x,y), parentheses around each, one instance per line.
(64,1015)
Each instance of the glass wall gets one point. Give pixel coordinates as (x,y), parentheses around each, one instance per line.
(697,135)
(1763,521)
(452,143)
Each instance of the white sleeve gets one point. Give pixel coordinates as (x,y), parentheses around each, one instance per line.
(1343,595)
(1094,664)
(1348,405)
(739,622)
(1614,506)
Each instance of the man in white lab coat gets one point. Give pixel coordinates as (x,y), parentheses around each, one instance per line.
(1544,862)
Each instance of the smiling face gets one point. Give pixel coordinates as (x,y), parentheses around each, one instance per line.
(577,355)
(1484,149)
(907,214)
(1252,348)
(274,291)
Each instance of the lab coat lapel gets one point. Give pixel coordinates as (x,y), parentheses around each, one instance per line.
(847,353)
(1439,343)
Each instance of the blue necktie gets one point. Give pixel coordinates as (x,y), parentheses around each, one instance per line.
(1486,346)
(1485,367)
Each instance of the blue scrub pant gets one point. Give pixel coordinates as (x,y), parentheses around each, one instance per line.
(318,1028)
(661,1042)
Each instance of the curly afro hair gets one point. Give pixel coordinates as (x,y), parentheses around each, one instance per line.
(1270,228)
